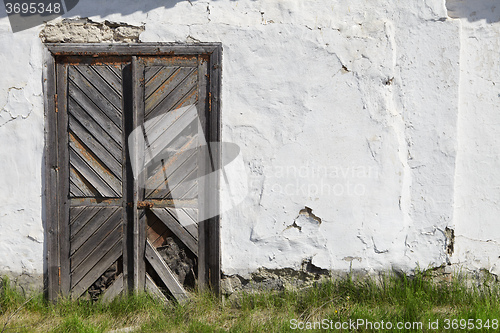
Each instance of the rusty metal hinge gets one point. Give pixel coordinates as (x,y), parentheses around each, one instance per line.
(142,204)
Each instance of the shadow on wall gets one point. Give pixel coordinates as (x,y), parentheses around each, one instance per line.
(474,10)
(87,8)
(90,8)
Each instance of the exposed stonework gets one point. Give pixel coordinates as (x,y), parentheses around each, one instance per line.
(88,31)
(27,283)
(265,279)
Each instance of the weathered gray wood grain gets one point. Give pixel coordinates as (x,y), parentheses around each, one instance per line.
(165,273)
(96,147)
(79,253)
(89,227)
(79,269)
(154,290)
(97,271)
(96,125)
(51,177)
(85,102)
(80,82)
(175,226)
(94,173)
(161,78)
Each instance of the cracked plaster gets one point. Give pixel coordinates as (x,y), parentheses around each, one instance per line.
(376,87)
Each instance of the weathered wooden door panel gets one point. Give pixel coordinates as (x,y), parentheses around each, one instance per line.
(128,162)
(173,123)
(94,242)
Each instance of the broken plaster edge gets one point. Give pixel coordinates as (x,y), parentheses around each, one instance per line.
(85,30)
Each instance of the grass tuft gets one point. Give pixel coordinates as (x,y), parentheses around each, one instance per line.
(390,297)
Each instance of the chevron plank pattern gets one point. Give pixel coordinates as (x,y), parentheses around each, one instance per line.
(171,133)
(96,237)
(169,88)
(95,130)
(118,231)
(163,269)
(178,222)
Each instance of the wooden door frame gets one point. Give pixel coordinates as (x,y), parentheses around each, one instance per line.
(55,217)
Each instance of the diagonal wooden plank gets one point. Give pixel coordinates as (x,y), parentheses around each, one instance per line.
(177,229)
(154,290)
(90,108)
(81,83)
(179,191)
(179,103)
(85,215)
(92,170)
(192,193)
(117,70)
(114,290)
(81,166)
(176,82)
(165,274)
(182,143)
(184,94)
(74,212)
(110,77)
(107,134)
(184,220)
(97,271)
(175,179)
(169,126)
(100,85)
(74,191)
(150,71)
(80,249)
(191,212)
(82,229)
(189,98)
(96,147)
(158,80)
(79,269)
(161,173)
(78,183)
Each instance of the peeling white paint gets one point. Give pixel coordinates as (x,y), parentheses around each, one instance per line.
(17,106)
(380,116)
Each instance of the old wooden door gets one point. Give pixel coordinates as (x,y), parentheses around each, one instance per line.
(126,160)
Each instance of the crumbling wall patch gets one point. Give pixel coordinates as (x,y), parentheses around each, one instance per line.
(87,31)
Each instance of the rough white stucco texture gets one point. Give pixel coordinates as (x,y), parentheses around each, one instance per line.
(349,108)
(477,179)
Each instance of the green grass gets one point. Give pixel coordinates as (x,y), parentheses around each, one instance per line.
(388,298)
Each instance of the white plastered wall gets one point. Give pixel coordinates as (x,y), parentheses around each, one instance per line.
(348,108)
(477,213)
